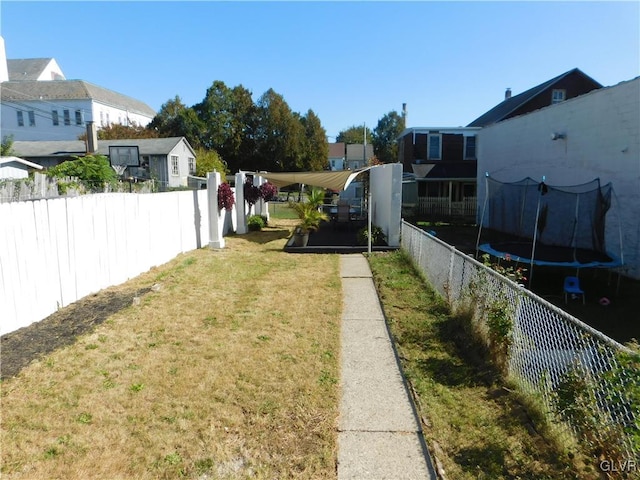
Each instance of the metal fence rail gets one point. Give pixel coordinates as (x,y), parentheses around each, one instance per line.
(548,346)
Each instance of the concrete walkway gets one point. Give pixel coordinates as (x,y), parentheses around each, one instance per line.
(379,435)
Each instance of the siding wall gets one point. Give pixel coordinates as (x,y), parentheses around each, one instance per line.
(602,131)
(45,130)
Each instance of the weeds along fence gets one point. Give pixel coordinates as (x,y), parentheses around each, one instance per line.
(56,251)
(41,186)
(584,380)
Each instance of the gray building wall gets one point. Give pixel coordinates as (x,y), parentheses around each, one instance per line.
(602,140)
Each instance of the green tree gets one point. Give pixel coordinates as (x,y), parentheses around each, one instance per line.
(280,135)
(354,134)
(316,149)
(117,131)
(93,170)
(385,146)
(177,120)
(209,161)
(229,118)
(6,149)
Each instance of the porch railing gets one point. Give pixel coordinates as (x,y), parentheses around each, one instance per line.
(443,207)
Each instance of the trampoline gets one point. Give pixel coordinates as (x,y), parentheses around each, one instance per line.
(540,224)
(550,255)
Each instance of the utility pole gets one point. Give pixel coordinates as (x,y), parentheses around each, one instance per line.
(368,193)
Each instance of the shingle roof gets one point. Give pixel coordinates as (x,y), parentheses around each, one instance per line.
(70,90)
(26,68)
(146,146)
(509,105)
(48,148)
(337,150)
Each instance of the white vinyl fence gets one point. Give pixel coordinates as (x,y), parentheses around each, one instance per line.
(549,348)
(444,207)
(54,252)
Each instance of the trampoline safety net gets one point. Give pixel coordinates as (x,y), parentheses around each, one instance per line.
(567,216)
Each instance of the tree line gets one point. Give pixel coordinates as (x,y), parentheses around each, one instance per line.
(264,135)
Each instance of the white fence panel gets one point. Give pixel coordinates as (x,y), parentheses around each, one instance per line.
(45,298)
(54,252)
(9,265)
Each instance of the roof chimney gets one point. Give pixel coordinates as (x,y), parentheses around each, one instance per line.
(404,113)
(92,138)
(507,94)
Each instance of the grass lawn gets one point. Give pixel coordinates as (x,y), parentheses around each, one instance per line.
(475,427)
(227,368)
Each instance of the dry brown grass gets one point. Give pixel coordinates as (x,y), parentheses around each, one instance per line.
(229,370)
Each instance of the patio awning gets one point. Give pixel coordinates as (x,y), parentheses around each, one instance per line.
(334,180)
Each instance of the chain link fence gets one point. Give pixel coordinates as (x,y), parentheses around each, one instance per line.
(586,381)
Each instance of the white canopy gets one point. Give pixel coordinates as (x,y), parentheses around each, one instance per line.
(334,180)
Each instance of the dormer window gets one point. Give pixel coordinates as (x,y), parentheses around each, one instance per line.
(470,148)
(558,95)
(434,146)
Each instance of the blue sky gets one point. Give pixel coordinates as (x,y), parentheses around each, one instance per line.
(350,62)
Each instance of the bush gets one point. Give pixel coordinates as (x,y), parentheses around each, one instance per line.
(255,223)
(268,191)
(377,237)
(226,200)
(92,170)
(251,192)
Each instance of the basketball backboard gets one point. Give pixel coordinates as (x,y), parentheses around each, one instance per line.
(124,155)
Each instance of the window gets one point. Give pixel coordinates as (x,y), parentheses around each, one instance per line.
(192,165)
(32,118)
(558,96)
(434,146)
(470,148)
(67,118)
(78,117)
(54,117)
(175,165)
(102,119)
(108,119)
(20,118)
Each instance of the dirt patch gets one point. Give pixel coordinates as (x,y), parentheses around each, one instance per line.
(29,343)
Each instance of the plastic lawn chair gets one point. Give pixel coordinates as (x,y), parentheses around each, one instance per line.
(572,287)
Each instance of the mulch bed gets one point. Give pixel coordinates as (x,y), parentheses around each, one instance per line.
(21,347)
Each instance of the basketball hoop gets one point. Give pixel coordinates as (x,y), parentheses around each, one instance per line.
(119,169)
(121,157)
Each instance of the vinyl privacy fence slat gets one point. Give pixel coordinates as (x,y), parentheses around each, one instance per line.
(54,252)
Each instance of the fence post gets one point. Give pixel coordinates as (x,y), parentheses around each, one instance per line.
(262,207)
(241,215)
(450,279)
(216,221)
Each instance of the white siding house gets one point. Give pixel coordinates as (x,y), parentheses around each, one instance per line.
(15,167)
(596,135)
(59,109)
(38,103)
(168,161)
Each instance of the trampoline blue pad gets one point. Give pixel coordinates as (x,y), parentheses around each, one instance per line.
(551,256)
